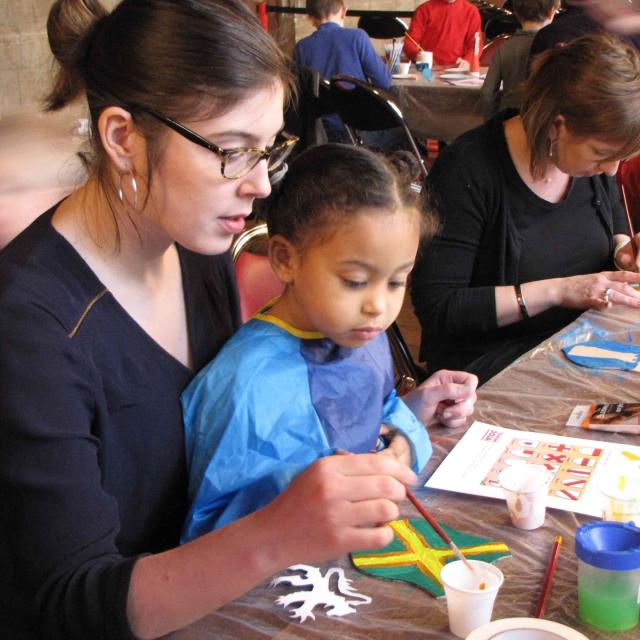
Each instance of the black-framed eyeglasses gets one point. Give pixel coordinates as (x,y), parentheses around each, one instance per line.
(237,162)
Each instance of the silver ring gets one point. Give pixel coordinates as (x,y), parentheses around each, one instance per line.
(606,294)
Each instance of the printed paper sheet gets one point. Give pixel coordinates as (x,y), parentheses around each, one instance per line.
(579,465)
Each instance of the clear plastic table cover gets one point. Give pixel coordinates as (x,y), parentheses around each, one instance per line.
(536,393)
(436,108)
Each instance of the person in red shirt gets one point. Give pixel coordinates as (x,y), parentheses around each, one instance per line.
(447,28)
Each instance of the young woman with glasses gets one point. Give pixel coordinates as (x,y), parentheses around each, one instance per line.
(109,304)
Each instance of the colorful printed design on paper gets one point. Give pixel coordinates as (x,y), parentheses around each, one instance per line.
(571,465)
(417,554)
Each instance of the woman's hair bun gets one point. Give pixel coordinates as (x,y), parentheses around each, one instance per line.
(70,28)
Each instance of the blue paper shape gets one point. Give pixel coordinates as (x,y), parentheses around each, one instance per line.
(609,355)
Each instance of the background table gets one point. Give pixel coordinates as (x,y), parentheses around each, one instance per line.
(436,108)
(536,393)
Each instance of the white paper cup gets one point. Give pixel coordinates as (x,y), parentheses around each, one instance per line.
(425,57)
(403,68)
(525,488)
(469,606)
(621,497)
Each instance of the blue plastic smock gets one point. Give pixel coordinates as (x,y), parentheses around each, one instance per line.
(273,401)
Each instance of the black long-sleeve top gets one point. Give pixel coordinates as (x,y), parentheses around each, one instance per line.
(574,22)
(496,231)
(92,463)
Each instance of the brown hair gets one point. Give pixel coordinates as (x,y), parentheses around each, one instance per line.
(322,9)
(534,10)
(327,184)
(594,82)
(182,58)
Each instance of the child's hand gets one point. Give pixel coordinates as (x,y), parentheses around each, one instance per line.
(398,447)
(447,397)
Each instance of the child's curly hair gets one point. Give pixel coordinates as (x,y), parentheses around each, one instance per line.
(329,183)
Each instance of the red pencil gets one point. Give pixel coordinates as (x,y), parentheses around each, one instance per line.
(548,576)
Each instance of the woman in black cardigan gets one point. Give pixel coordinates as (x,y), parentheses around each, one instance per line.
(532,215)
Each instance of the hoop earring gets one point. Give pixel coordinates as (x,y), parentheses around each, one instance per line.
(134,189)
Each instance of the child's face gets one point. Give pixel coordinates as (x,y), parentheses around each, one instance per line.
(351,286)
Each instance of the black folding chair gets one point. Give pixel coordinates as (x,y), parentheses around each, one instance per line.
(303,117)
(383,27)
(363,107)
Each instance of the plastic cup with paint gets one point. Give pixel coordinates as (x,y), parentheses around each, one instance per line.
(621,497)
(470,594)
(608,575)
(425,57)
(526,487)
(403,68)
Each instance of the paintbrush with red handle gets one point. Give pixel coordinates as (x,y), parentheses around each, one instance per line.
(627,212)
(440,531)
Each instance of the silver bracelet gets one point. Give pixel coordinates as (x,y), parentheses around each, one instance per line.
(521,303)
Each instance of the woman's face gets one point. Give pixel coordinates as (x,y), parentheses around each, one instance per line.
(190,201)
(580,156)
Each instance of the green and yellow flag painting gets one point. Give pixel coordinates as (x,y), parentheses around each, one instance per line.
(417,554)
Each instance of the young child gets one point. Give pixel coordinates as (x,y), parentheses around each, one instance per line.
(311,374)
(336,50)
(509,64)
(447,28)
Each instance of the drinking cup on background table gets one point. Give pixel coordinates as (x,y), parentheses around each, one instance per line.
(621,497)
(608,575)
(470,594)
(403,68)
(424,64)
(425,57)
(526,487)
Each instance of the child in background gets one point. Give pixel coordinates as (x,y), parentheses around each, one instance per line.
(336,50)
(447,28)
(510,60)
(311,374)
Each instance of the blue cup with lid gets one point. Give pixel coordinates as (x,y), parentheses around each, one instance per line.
(609,575)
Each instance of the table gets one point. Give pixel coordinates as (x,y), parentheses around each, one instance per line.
(535,393)
(438,109)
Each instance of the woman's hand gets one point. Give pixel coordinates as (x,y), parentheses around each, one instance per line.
(627,255)
(588,291)
(447,397)
(339,504)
